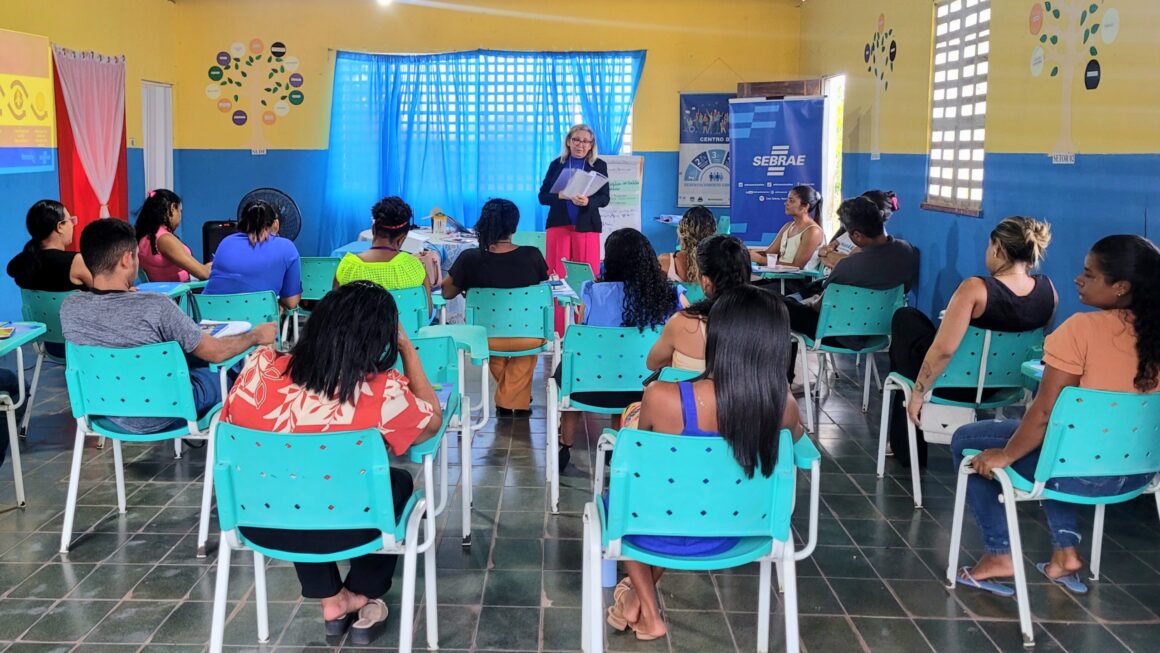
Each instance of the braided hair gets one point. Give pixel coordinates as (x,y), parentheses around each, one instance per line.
(498,220)
(696,225)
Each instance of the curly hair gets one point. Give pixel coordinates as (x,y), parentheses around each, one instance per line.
(696,225)
(498,219)
(154,214)
(392,217)
(1136,260)
(649,297)
(725,261)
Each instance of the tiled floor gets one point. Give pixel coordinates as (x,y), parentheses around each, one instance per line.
(132,582)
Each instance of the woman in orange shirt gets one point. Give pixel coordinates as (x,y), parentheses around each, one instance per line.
(1115,348)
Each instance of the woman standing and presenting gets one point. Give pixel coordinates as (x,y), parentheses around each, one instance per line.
(574,223)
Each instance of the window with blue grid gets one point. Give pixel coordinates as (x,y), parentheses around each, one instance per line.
(453,130)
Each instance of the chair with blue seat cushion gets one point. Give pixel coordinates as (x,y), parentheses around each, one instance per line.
(333,481)
(317,274)
(985,361)
(148,381)
(1089,433)
(594,359)
(852,312)
(673,485)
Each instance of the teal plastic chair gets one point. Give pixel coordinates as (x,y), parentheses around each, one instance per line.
(724,225)
(317,273)
(537,239)
(693,291)
(253,307)
(576,274)
(984,361)
(414,312)
(44,307)
(1089,433)
(334,480)
(848,311)
(471,341)
(594,359)
(148,381)
(676,485)
(514,313)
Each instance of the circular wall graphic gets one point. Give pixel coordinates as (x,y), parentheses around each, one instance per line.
(256,46)
(239,117)
(1110,26)
(1037,60)
(1035,21)
(1091,75)
(213,91)
(278,49)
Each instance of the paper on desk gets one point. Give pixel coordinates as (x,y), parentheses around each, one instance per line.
(219,329)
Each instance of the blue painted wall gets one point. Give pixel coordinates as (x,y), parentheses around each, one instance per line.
(1098,196)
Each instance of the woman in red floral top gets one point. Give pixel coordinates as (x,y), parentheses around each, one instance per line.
(341,377)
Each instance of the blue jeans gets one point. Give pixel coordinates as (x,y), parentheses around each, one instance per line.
(983,494)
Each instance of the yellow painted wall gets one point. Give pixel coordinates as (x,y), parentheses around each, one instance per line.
(755,39)
(142,30)
(1023,112)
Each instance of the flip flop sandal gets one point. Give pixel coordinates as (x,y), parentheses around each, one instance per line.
(998,589)
(371,620)
(615,614)
(1070,582)
(338,627)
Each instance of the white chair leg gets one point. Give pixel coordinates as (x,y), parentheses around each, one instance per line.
(884,427)
(484,405)
(177,448)
(1097,541)
(866,383)
(789,601)
(763,605)
(32,393)
(874,368)
(957,525)
(594,606)
(804,357)
(1021,596)
(585,590)
(430,587)
(100,442)
(221,590)
(74,479)
(119,472)
(912,444)
(553,449)
(407,602)
(260,604)
(206,497)
(466,482)
(779,576)
(14,451)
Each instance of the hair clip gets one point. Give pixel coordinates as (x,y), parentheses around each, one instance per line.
(894,203)
(150,194)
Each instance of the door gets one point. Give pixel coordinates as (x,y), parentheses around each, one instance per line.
(157,132)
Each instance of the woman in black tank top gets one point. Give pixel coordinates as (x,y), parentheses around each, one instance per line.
(1010,298)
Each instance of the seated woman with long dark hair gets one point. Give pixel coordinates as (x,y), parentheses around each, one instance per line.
(45,262)
(739,397)
(1114,348)
(162,255)
(632,292)
(723,262)
(342,369)
(497,263)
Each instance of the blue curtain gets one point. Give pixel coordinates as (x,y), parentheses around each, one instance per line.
(454,130)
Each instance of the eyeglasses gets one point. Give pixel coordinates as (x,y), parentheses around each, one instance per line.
(71,218)
(580,141)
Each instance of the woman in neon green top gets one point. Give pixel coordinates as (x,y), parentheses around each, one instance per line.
(385,263)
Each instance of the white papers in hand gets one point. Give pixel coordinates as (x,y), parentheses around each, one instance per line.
(219,329)
(573,183)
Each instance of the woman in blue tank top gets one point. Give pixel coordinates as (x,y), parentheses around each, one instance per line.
(738,399)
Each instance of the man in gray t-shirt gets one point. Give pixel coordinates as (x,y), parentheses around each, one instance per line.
(113,315)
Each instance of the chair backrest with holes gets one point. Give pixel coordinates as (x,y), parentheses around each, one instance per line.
(512,313)
(318,276)
(607,359)
(147,381)
(44,307)
(537,239)
(1099,433)
(413,311)
(440,359)
(253,307)
(576,273)
(854,311)
(303,481)
(1005,352)
(664,484)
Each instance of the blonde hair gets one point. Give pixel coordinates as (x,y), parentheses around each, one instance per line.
(564,153)
(1021,239)
(696,225)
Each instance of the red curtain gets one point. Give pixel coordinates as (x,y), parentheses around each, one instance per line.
(75,192)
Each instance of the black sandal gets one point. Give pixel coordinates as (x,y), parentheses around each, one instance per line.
(338,627)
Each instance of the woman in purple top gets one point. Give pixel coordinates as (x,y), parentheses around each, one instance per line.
(257,259)
(736,398)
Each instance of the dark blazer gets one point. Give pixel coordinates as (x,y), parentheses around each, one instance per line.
(589,218)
